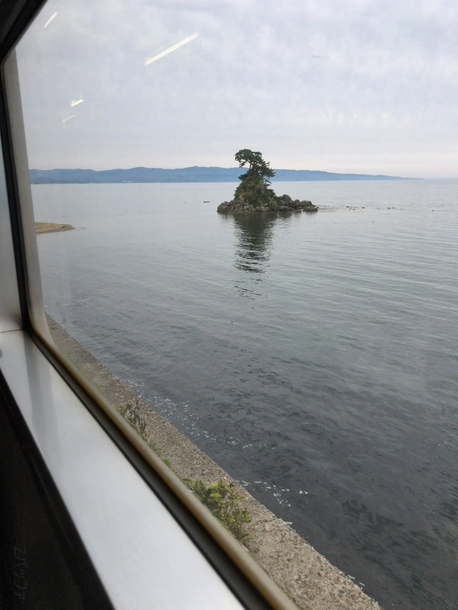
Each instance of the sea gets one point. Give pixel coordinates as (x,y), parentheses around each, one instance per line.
(314,357)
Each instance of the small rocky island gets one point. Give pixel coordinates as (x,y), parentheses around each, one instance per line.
(254,195)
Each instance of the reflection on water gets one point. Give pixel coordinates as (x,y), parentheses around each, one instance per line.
(254,234)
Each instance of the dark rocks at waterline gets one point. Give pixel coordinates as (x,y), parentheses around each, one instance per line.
(277,204)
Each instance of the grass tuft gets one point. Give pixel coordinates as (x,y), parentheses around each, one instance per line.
(223,500)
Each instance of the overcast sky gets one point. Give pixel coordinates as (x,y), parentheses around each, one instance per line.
(366,86)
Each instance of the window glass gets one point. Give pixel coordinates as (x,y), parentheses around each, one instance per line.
(296,367)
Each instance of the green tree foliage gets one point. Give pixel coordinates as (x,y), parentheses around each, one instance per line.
(254,188)
(257,165)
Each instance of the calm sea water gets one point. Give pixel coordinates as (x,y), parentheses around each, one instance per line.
(314,357)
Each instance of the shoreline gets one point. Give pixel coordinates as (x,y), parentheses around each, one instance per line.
(304,574)
(52,227)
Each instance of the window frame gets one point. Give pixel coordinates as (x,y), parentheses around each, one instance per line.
(24,313)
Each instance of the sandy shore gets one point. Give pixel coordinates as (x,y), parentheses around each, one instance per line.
(51,227)
(303,573)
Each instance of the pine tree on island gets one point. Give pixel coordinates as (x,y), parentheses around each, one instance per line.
(254,194)
(258,167)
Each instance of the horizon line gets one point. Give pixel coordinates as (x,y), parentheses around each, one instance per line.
(187,167)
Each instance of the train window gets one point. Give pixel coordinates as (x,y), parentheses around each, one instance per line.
(280,361)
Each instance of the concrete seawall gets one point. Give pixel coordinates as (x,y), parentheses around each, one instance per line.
(303,573)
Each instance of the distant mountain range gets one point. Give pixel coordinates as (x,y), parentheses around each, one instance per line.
(185,174)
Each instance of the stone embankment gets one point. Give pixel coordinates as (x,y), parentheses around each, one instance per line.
(274,204)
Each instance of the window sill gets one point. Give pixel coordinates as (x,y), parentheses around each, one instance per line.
(143,557)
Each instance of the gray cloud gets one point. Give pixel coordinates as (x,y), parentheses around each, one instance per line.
(364,86)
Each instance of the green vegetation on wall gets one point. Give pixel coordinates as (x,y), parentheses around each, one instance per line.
(224,502)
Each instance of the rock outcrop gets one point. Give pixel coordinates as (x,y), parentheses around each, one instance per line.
(254,195)
(284,203)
